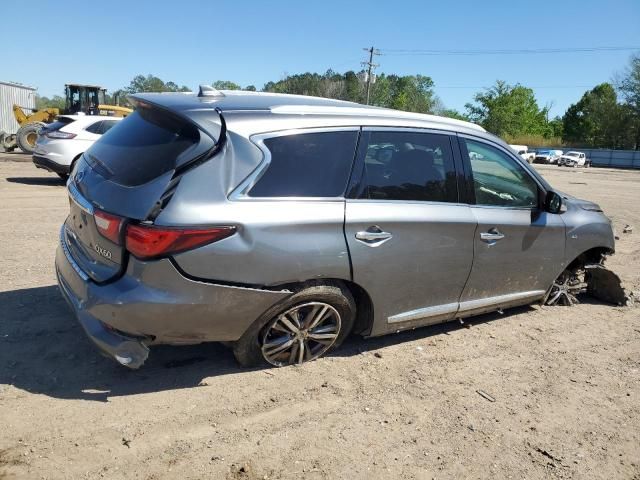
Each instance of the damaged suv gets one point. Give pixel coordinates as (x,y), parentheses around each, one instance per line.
(280,224)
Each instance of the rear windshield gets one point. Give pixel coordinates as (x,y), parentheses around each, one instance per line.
(143,146)
(57,125)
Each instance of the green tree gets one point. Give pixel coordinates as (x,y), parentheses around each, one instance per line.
(151,83)
(54,102)
(597,120)
(628,84)
(556,127)
(412,93)
(509,111)
(452,113)
(226,85)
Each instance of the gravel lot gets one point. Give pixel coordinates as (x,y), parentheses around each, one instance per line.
(565,380)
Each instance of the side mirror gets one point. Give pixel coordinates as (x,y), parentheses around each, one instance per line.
(553,202)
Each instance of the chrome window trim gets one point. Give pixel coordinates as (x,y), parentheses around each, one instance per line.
(67,254)
(435,131)
(78,199)
(408,202)
(241,192)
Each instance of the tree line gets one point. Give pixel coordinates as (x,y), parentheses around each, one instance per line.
(607,116)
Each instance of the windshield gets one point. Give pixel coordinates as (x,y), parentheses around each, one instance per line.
(572,154)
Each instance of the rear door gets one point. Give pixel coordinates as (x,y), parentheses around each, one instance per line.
(409,236)
(123,174)
(518,246)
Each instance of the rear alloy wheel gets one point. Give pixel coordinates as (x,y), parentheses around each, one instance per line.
(300,329)
(301,334)
(567,287)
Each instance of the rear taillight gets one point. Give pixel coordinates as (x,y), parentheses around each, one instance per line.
(59,135)
(109,225)
(146,241)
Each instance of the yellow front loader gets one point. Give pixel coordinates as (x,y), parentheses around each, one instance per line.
(79,99)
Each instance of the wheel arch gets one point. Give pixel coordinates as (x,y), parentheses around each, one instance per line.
(592,255)
(364,305)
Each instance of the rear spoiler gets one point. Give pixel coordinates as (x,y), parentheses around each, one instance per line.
(218,145)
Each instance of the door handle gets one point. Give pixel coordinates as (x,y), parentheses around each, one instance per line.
(373,236)
(492,236)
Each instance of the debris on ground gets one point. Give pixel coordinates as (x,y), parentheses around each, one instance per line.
(627,229)
(126,442)
(606,286)
(485,395)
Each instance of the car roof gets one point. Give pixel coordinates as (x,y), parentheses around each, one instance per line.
(249,105)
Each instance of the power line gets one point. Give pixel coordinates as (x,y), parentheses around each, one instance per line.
(370,66)
(522,51)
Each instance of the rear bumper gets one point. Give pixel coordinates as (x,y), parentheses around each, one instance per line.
(153,303)
(43,162)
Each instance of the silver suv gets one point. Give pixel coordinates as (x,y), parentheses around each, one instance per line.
(280,224)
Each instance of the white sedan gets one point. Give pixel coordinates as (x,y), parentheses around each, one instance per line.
(62,142)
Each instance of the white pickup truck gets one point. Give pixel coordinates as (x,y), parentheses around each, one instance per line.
(547,156)
(574,159)
(524,152)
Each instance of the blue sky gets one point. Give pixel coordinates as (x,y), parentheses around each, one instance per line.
(191,42)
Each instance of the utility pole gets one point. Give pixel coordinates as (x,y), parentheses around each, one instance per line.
(370,66)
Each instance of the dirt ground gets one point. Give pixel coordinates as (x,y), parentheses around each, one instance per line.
(563,382)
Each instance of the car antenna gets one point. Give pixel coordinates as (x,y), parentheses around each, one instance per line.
(209,91)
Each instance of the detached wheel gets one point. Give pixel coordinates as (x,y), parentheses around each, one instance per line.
(302,328)
(28,135)
(567,287)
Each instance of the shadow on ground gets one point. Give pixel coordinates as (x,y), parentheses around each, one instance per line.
(43,350)
(41,181)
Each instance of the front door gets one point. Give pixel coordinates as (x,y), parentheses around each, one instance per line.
(518,247)
(409,237)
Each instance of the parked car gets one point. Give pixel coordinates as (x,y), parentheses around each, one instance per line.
(62,142)
(524,152)
(281,224)
(547,156)
(574,159)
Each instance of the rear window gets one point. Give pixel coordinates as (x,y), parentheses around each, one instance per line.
(57,125)
(308,165)
(143,146)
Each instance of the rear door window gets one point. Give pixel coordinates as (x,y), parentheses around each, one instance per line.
(308,165)
(143,146)
(107,125)
(409,166)
(95,128)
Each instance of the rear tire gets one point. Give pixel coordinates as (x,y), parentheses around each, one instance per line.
(317,319)
(28,135)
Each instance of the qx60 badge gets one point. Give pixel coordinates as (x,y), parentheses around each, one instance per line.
(102,251)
